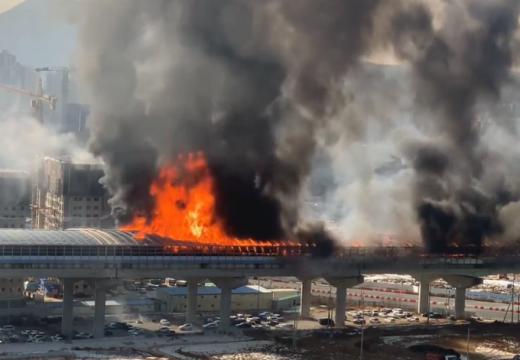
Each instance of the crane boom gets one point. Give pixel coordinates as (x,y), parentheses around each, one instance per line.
(47,98)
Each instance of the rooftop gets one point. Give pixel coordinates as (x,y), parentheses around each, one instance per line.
(83,237)
(213,290)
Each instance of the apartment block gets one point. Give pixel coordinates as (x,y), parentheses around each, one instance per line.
(15,197)
(68,195)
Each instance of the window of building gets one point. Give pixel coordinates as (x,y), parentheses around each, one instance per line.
(95,215)
(76,287)
(212,305)
(75,208)
(3,289)
(10,280)
(88,207)
(79,199)
(21,208)
(88,215)
(215,296)
(79,207)
(19,289)
(198,306)
(13,208)
(88,199)
(6,208)
(202,297)
(96,199)
(85,286)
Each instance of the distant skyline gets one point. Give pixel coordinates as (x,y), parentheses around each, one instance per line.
(8,4)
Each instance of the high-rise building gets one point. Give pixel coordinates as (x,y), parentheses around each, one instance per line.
(68,195)
(15,197)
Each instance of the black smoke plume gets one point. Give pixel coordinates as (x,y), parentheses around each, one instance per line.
(459,189)
(249,83)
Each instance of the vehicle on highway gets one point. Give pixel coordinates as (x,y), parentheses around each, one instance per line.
(413,319)
(27,332)
(8,328)
(164,322)
(134,332)
(262,327)
(210,326)
(164,329)
(84,336)
(390,320)
(186,327)
(374,320)
(272,323)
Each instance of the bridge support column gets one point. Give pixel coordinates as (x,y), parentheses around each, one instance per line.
(305,298)
(423,301)
(341,285)
(67,319)
(461,283)
(99,311)
(191,301)
(226,286)
(100,294)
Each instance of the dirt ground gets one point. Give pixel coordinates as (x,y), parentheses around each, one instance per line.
(392,343)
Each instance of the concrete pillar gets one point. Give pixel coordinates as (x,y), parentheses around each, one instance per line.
(67,320)
(341,304)
(191,301)
(306,296)
(226,286)
(461,283)
(99,311)
(423,304)
(460,303)
(341,285)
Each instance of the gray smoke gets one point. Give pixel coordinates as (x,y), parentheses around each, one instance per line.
(249,83)
(460,182)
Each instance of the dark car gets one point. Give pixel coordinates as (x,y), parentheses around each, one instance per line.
(272,323)
(109,333)
(359,321)
(432,314)
(244,326)
(326,322)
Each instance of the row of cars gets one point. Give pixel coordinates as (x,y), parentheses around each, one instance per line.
(389,315)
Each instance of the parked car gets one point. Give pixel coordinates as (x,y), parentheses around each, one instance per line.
(359,321)
(326,322)
(84,336)
(186,327)
(164,329)
(244,325)
(374,320)
(164,322)
(57,338)
(272,323)
(390,320)
(413,319)
(108,333)
(285,326)
(210,326)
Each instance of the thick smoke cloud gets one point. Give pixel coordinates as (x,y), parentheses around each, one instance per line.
(247,82)
(274,95)
(459,187)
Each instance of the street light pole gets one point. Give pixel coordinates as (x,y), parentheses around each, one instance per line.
(361,344)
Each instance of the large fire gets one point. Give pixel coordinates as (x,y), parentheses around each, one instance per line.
(184,206)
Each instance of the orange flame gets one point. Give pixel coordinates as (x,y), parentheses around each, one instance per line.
(184,206)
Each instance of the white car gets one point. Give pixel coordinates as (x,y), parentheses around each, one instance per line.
(57,338)
(84,336)
(413,319)
(210,326)
(164,329)
(390,320)
(8,328)
(134,332)
(27,332)
(186,327)
(164,322)
(374,320)
(285,326)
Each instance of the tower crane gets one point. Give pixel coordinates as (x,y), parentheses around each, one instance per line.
(64,87)
(38,98)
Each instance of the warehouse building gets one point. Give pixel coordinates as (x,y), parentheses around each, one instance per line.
(244,298)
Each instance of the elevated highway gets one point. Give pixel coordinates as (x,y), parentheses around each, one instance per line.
(102,257)
(119,254)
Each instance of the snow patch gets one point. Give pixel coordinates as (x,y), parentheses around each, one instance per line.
(409,339)
(494,354)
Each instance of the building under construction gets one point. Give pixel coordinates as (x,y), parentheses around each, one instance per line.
(68,195)
(15,197)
